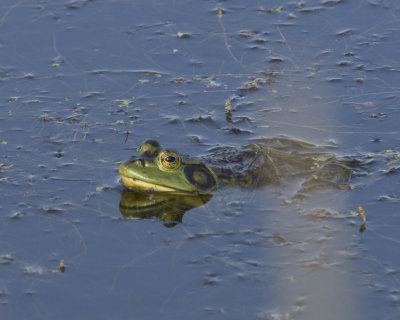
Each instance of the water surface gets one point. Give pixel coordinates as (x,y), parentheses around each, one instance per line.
(83,83)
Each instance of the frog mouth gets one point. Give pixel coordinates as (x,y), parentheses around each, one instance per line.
(148,186)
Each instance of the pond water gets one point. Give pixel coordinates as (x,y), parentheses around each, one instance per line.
(83,83)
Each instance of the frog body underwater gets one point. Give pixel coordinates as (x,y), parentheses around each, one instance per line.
(273,161)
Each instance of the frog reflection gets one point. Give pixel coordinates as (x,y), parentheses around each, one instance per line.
(167,207)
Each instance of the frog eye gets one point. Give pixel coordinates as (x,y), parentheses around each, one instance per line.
(170,160)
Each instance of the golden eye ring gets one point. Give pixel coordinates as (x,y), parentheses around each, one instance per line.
(170,160)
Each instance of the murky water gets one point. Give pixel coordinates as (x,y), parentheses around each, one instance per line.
(83,83)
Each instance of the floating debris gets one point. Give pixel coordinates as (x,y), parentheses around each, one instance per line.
(279,240)
(331,2)
(249,86)
(246,33)
(180,80)
(319,213)
(386,197)
(276,59)
(334,79)
(6,259)
(360,104)
(28,76)
(52,209)
(228,106)
(57,61)
(45,117)
(310,9)
(62,265)
(228,110)
(344,63)
(270,10)
(77,4)
(390,170)
(362,214)
(4,166)
(34,270)
(260,40)
(123,103)
(182,35)
(203,119)
(253,84)
(211,279)
(238,131)
(345,32)
(219,11)
(272,72)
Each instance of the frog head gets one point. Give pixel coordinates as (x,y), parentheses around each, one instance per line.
(159,170)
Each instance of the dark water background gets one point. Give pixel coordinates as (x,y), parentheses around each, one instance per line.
(76,76)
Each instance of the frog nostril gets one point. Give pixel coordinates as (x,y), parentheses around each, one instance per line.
(140,162)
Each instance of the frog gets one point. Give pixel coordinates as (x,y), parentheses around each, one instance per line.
(275,161)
